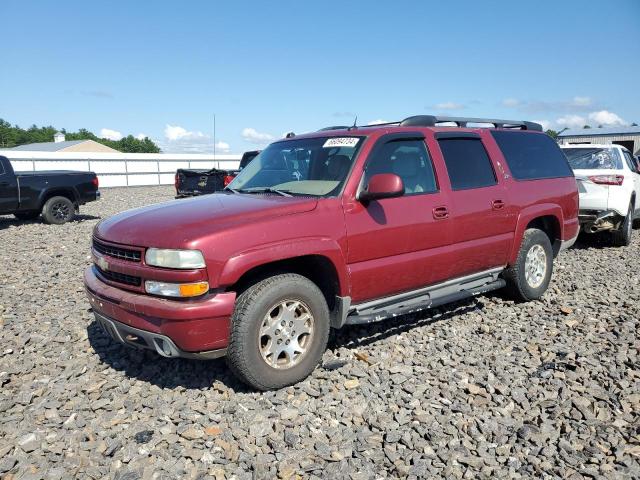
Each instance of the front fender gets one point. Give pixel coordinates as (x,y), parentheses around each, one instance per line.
(524,218)
(240,263)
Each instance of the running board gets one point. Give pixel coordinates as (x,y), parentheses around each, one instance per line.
(429,297)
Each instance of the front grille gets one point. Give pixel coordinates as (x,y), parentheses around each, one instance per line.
(116,252)
(120,277)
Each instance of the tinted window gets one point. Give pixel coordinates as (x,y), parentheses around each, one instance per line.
(532,156)
(467,163)
(593,158)
(409,160)
(630,163)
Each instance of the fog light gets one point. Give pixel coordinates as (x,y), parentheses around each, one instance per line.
(176,289)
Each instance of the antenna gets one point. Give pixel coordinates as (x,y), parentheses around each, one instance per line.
(355,121)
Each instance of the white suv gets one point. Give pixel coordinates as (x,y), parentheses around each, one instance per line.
(609,186)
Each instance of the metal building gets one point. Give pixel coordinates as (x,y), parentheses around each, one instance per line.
(628,137)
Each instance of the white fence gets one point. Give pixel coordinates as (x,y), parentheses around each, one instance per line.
(120,169)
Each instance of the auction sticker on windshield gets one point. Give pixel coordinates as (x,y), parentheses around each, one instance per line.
(341,142)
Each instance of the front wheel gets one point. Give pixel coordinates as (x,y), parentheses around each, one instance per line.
(58,210)
(279,331)
(528,278)
(622,237)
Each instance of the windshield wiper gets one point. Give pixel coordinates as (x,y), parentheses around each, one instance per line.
(284,193)
(232,190)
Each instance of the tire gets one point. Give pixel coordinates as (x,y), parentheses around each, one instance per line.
(622,237)
(32,215)
(523,283)
(58,210)
(254,334)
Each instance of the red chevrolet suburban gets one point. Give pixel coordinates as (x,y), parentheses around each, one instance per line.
(348,225)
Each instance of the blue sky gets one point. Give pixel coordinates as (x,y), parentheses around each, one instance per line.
(265,68)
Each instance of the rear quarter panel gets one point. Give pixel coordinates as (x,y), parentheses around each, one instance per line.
(557,197)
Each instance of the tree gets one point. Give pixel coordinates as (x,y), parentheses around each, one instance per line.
(634,124)
(586,127)
(552,133)
(13,136)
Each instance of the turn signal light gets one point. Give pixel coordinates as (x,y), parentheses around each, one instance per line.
(607,179)
(228,179)
(193,289)
(183,290)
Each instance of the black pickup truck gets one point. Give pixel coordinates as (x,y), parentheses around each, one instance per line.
(195,181)
(54,194)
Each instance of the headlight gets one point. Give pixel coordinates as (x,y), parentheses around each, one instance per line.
(176,289)
(174,258)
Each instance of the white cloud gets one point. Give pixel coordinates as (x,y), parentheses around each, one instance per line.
(448,106)
(377,122)
(571,121)
(576,103)
(110,134)
(546,124)
(222,146)
(594,119)
(178,139)
(605,118)
(141,136)
(175,132)
(581,101)
(251,135)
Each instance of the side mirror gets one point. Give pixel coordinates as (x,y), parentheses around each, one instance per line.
(382,185)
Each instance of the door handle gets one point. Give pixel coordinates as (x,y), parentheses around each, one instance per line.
(440,213)
(497,204)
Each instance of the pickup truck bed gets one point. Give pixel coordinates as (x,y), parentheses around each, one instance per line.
(56,194)
(192,182)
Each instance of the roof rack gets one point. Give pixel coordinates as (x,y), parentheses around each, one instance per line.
(461,122)
(433,121)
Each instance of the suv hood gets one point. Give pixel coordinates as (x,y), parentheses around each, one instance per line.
(174,224)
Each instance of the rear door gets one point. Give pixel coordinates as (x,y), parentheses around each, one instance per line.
(398,244)
(8,189)
(635,174)
(482,218)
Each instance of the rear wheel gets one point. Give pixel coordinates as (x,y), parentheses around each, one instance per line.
(58,210)
(279,331)
(528,278)
(32,215)
(622,237)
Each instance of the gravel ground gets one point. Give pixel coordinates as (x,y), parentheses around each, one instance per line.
(482,389)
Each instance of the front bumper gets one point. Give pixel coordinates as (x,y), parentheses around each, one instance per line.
(162,344)
(192,326)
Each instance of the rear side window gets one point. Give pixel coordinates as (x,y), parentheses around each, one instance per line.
(468,164)
(532,156)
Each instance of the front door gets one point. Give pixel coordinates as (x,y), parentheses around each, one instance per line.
(398,244)
(8,191)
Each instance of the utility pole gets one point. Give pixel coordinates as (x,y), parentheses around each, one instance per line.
(214,137)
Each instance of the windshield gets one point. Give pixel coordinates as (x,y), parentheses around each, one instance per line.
(310,166)
(593,158)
